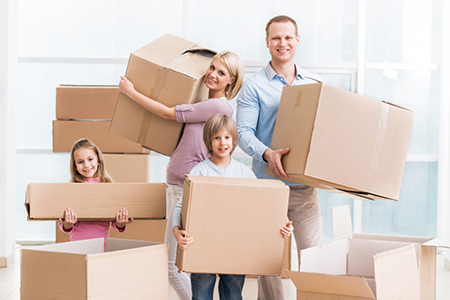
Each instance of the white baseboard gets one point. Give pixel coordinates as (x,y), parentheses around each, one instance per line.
(6,261)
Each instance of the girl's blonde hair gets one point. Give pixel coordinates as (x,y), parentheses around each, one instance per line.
(212,127)
(236,68)
(101,171)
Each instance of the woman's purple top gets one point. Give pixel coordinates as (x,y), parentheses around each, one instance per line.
(191,149)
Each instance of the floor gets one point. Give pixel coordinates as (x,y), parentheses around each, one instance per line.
(10,282)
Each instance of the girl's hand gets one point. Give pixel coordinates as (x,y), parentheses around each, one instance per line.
(287,230)
(70,219)
(181,237)
(122,218)
(125,86)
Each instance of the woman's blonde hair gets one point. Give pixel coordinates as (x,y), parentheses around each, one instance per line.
(236,68)
(213,125)
(101,171)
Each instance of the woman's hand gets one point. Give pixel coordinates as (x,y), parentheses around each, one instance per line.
(122,218)
(286,231)
(181,237)
(70,219)
(125,86)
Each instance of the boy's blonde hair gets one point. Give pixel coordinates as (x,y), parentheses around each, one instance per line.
(216,123)
(236,68)
(101,171)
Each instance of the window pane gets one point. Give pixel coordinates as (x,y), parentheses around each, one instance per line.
(407,33)
(83,28)
(415,212)
(327,28)
(418,91)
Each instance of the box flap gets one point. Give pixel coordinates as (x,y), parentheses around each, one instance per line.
(330,258)
(438,243)
(397,275)
(341,221)
(331,284)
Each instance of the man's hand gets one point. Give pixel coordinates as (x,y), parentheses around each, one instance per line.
(273,159)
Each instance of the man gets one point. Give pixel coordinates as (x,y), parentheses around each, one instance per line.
(257,107)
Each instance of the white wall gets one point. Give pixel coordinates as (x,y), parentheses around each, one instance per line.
(8,98)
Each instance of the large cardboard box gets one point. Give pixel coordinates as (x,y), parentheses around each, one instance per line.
(236,225)
(100,201)
(95,269)
(170,70)
(141,230)
(128,167)
(82,102)
(425,248)
(357,270)
(66,133)
(342,141)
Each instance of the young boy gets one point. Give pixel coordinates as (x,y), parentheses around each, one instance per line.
(220,138)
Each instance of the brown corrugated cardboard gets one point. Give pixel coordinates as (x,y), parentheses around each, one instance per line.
(66,133)
(128,167)
(348,269)
(171,71)
(126,269)
(236,225)
(141,230)
(342,141)
(86,102)
(100,201)
(425,248)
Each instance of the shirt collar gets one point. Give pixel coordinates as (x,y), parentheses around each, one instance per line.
(271,72)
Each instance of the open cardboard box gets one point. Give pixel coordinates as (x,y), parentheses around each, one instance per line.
(95,269)
(350,269)
(66,133)
(169,70)
(341,141)
(72,101)
(425,248)
(236,225)
(100,201)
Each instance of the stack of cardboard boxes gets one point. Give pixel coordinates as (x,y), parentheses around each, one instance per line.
(86,112)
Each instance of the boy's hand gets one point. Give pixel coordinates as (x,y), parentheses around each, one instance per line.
(181,237)
(286,231)
(70,219)
(122,218)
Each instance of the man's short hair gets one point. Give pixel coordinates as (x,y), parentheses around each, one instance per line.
(281,19)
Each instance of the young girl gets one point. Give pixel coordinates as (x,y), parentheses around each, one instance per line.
(220,137)
(87,165)
(224,79)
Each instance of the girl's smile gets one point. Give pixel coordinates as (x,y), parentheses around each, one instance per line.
(86,161)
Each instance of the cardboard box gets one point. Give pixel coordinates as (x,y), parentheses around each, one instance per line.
(126,269)
(128,167)
(100,201)
(425,248)
(342,141)
(66,133)
(170,70)
(72,102)
(287,257)
(141,230)
(236,225)
(357,269)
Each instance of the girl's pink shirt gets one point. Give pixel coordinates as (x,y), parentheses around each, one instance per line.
(83,230)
